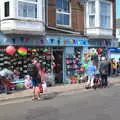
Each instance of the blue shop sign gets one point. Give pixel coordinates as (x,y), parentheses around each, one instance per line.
(114,49)
(66,41)
(48,40)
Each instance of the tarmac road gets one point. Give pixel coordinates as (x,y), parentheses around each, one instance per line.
(102,104)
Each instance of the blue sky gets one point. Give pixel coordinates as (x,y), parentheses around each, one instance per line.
(118,8)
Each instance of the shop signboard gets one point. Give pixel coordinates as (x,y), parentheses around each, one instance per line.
(66,41)
(44,40)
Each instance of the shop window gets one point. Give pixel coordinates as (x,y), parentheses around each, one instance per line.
(63,14)
(6,8)
(27,9)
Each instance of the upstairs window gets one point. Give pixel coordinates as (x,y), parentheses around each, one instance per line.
(63,15)
(105,13)
(27,9)
(91,13)
(91,7)
(6,9)
(63,5)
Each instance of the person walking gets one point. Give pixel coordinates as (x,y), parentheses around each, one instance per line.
(104,72)
(33,71)
(114,67)
(91,71)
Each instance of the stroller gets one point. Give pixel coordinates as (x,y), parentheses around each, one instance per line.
(97,82)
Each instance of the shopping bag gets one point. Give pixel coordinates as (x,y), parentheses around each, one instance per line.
(41,89)
(44,86)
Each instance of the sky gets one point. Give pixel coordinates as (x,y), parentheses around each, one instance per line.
(118,8)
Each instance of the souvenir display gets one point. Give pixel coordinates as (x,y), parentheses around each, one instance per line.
(22,58)
(10,50)
(22,51)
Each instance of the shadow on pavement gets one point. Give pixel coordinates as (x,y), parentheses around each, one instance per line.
(50,96)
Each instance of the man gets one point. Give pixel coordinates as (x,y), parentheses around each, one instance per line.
(91,71)
(33,71)
(104,72)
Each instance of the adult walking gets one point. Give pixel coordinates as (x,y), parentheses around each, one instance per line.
(33,71)
(91,71)
(104,72)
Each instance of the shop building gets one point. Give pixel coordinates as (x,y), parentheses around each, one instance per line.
(51,30)
(101,23)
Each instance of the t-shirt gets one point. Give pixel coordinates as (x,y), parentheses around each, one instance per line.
(32,70)
(91,69)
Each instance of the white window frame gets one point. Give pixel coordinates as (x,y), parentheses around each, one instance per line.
(26,1)
(110,14)
(91,14)
(59,11)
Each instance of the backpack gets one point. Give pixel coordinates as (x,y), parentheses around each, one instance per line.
(32,70)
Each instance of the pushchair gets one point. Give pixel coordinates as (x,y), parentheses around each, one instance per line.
(97,81)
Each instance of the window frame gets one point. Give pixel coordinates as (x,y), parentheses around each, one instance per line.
(105,15)
(28,2)
(91,14)
(61,11)
(8,9)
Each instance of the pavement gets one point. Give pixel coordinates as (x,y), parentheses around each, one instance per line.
(51,90)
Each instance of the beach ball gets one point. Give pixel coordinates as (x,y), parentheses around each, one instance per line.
(10,50)
(22,51)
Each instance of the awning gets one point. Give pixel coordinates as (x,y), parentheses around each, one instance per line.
(114,49)
(101,37)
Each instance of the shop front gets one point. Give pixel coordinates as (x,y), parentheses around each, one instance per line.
(100,46)
(59,55)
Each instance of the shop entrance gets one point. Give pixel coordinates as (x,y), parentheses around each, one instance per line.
(58,70)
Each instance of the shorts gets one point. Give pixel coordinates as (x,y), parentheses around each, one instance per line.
(36,82)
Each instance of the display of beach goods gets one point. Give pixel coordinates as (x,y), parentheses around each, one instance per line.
(10,50)
(22,51)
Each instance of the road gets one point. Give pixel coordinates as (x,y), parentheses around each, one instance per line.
(102,104)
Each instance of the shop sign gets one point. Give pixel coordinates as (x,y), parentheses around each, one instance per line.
(66,41)
(45,41)
(114,49)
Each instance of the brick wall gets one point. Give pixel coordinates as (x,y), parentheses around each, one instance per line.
(77,16)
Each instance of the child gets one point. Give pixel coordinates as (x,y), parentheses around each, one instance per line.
(28,83)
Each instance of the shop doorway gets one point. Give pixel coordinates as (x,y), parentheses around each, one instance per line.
(58,70)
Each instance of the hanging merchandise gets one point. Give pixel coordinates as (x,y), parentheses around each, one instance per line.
(99,51)
(22,51)
(45,50)
(10,50)
(93,50)
(34,50)
(85,66)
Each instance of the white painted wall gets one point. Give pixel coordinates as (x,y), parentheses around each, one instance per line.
(25,24)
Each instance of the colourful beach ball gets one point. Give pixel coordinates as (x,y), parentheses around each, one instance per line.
(10,50)
(22,51)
